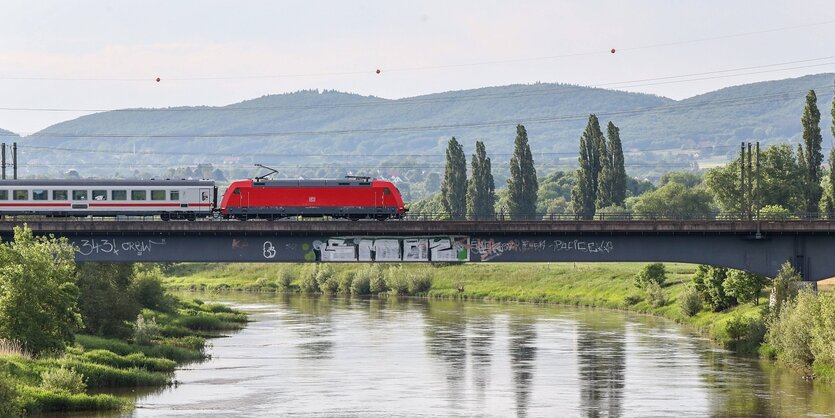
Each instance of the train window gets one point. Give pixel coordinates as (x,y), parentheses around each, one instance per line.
(138,195)
(386,191)
(237,190)
(99,194)
(59,195)
(20,194)
(157,194)
(174,195)
(119,195)
(79,195)
(4,195)
(40,195)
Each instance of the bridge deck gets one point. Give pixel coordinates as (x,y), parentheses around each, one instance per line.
(119,227)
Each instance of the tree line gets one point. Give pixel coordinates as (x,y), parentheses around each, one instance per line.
(780,181)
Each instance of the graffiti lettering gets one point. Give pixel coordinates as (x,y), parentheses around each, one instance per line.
(393,249)
(490,249)
(114,246)
(269,250)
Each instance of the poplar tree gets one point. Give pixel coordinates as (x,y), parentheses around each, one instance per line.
(584,194)
(454,185)
(618,167)
(522,185)
(605,177)
(481,189)
(812,156)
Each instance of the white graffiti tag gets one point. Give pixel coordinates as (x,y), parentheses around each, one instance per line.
(114,246)
(269,250)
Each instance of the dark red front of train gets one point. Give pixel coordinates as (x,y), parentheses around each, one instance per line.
(348,198)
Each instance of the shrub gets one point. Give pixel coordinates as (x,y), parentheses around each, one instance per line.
(419,282)
(145,331)
(651,273)
(9,401)
(630,300)
(396,281)
(790,331)
(784,287)
(655,294)
(345,280)
(690,301)
(709,282)
(361,284)
(307,279)
(326,279)
(377,282)
(745,333)
(63,380)
(148,291)
(284,280)
(823,333)
(744,286)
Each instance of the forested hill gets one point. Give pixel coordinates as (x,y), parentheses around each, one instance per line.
(303,132)
(6,136)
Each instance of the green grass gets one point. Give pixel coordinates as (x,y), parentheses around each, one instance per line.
(608,285)
(39,400)
(171,352)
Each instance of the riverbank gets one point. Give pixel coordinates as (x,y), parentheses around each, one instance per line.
(606,285)
(161,341)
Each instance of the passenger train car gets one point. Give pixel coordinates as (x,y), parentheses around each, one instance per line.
(168,199)
(349,198)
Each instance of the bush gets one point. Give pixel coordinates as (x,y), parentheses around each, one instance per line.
(307,279)
(745,333)
(790,331)
(690,301)
(63,380)
(823,334)
(744,286)
(346,280)
(361,284)
(377,282)
(396,281)
(326,279)
(9,401)
(148,291)
(655,294)
(784,287)
(419,282)
(651,273)
(630,300)
(709,282)
(284,280)
(145,331)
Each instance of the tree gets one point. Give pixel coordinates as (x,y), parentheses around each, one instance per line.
(454,185)
(674,200)
(811,155)
(105,303)
(584,194)
(481,189)
(619,177)
(685,178)
(605,178)
(654,273)
(38,294)
(744,286)
(522,184)
(709,282)
(783,287)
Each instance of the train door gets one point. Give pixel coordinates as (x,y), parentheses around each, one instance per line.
(206,197)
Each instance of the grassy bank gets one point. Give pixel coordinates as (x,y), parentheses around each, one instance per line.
(60,381)
(608,285)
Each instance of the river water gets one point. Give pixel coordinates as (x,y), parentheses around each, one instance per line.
(363,358)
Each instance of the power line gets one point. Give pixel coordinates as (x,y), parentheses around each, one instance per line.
(421,68)
(425,100)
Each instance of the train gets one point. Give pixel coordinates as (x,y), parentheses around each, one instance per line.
(351,198)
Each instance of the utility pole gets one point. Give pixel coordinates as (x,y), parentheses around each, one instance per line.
(14,159)
(750,185)
(4,160)
(742,202)
(759,191)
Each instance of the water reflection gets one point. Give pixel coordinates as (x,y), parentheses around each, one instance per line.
(522,350)
(601,361)
(379,358)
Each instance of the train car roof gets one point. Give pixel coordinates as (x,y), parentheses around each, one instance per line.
(104,182)
(312,183)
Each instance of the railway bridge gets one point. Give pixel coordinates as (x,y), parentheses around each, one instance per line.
(756,247)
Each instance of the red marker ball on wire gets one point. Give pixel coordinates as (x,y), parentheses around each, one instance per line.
(157,79)
(613,50)
(378,71)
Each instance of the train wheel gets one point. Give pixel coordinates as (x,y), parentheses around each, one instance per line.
(165,216)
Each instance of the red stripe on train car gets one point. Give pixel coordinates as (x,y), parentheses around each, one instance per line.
(60,205)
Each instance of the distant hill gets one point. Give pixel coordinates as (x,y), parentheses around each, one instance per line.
(5,135)
(321,133)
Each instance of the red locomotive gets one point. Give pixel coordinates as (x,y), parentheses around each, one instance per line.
(350,198)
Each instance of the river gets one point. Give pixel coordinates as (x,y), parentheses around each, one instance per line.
(309,356)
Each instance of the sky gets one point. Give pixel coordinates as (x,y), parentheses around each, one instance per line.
(60,60)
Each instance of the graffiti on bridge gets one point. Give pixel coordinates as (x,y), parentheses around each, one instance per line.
(444,248)
(115,246)
(489,249)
